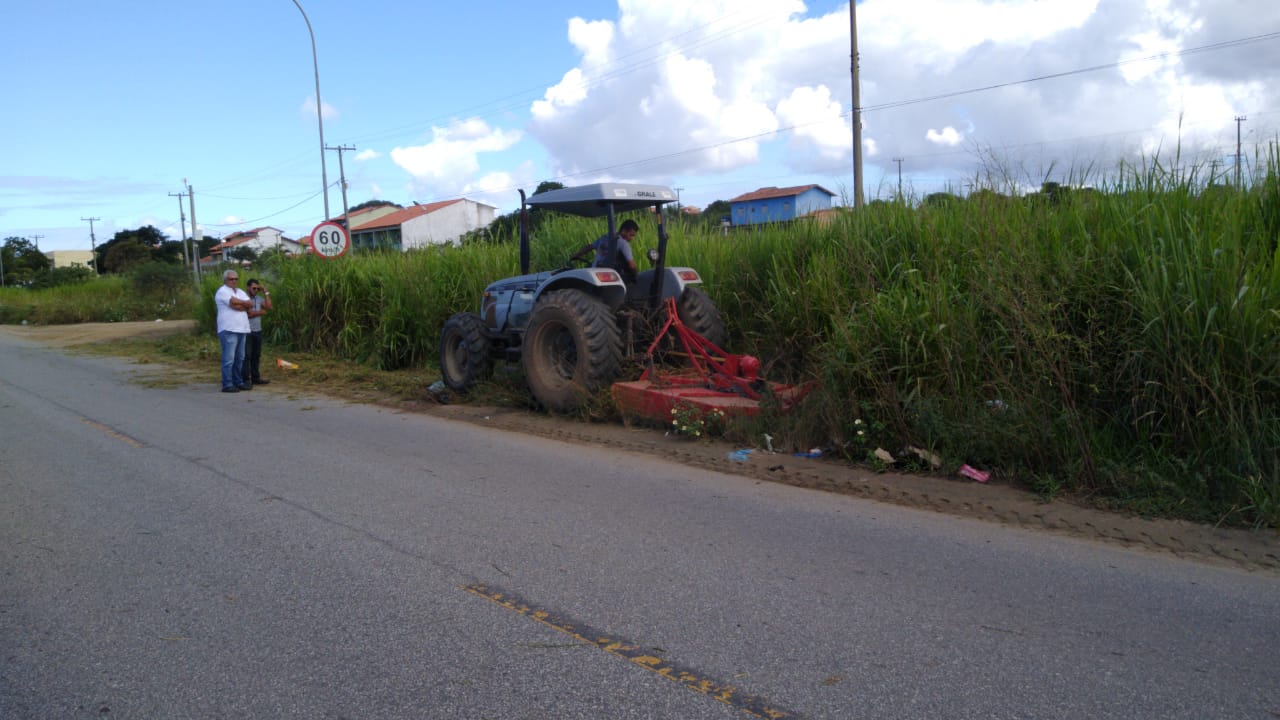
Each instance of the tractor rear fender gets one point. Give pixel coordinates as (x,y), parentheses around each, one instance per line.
(674,281)
(603,283)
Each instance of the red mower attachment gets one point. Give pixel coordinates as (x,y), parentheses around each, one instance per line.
(714,380)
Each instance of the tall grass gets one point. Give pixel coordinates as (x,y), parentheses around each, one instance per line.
(1120,342)
(112,298)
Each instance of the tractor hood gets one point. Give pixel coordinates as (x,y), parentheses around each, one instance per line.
(594,200)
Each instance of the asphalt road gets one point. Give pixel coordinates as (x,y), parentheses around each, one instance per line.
(181,553)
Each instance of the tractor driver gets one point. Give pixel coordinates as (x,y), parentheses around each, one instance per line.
(626,261)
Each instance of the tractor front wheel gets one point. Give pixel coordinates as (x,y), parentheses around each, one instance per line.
(571,349)
(464,352)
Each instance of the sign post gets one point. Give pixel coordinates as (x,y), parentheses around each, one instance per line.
(330,240)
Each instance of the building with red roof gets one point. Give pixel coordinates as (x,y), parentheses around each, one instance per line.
(420,225)
(774,204)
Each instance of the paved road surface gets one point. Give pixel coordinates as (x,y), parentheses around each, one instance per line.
(180,553)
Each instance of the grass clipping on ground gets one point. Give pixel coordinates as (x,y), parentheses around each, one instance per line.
(195,359)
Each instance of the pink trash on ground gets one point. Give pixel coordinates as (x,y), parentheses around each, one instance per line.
(974,473)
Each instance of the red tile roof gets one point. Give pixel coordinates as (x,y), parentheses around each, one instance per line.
(773,192)
(231,241)
(400,217)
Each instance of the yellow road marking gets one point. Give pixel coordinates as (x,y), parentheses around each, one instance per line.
(728,694)
(113,433)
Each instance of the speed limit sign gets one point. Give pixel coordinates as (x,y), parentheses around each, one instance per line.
(330,240)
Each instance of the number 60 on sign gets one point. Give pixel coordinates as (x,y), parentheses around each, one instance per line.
(329,240)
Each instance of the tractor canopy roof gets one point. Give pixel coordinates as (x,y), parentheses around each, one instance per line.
(594,200)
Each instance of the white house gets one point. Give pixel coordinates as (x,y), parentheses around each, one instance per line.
(420,226)
(258,240)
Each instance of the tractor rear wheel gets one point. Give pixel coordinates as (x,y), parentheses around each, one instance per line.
(465,357)
(699,313)
(570,350)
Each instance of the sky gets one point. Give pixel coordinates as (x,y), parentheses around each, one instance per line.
(112,110)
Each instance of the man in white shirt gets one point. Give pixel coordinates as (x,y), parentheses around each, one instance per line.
(233,327)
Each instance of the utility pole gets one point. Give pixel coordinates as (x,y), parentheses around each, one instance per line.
(899,161)
(37,239)
(196,235)
(857,105)
(342,180)
(182,218)
(1239,120)
(93,243)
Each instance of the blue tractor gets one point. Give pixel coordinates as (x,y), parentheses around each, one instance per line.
(572,328)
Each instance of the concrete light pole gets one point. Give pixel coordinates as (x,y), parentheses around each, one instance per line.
(315,64)
(857,104)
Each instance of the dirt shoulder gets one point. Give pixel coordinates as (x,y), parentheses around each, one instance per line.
(992,502)
(64,335)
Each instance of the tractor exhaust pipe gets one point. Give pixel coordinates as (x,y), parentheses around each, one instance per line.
(524,236)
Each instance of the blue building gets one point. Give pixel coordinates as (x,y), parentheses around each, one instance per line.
(773,204)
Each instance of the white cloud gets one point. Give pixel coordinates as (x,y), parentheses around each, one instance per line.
(672,88)
(948,136)
(818,119)
(308,109)
(452,158)
(366,155)
(649,85)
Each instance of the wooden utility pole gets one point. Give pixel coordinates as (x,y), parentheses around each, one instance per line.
(93,243)
(196,236)
(342,180)
(857,105)
(182,218)
(1239,120)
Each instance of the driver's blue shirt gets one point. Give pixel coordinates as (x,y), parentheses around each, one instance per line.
(602,246)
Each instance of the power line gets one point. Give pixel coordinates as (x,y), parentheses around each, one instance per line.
(522,97)
(600,79)
(268,217)
(1080,71)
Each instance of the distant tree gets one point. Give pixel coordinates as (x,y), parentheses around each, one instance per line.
(717,211)
(206,245)
(1054,192)
(506,228)
(150,239)
(22,261)
(372,204)
(170,251)
(272,256)
(986,196)
(939,199)
(123,256)
(53,277)
(243,253)
(156,277)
